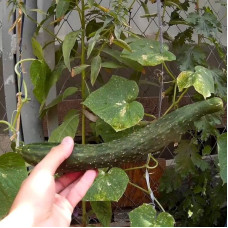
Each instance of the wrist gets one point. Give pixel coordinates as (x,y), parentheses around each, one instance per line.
(17,218)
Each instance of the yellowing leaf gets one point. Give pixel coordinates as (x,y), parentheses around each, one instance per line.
(202,80)
(184,80)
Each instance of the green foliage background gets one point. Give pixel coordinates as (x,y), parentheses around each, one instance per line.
(192,189)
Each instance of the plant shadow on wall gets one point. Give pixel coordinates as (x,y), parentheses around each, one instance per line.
(190,190)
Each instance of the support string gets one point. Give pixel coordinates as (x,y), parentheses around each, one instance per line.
(160,93)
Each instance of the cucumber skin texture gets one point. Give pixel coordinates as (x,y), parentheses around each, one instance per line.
(131,148)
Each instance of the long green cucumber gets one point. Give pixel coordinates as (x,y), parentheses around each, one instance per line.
(131,148)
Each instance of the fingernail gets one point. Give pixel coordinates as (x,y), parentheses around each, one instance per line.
(67,140)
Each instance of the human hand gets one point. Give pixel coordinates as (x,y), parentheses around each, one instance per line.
(44,201)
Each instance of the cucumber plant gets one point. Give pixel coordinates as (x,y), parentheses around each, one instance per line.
(105,42)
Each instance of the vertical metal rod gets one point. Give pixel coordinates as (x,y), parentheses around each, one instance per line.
(8,52)
(49,54)
(31,124)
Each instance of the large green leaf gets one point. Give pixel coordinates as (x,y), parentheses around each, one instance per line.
(148,52)
(170,180)
(12,172)
(220,79)
(68,92)
(62,8)
(188,158)
(206,24)
(67,128)
(207,125)
(68,45)
(103,211)
(189,56)
(222,155)
(114,103)
(146,216)
(202,80)
(108,186)
(39,72)
(95,68)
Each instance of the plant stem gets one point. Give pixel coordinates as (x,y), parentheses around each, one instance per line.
(168,71)
(175,92)
(159,204)
(83,62)
(150,115)
(162,17)
(133,2)
(144,190)
(83,48)
(176,102)
(197,9)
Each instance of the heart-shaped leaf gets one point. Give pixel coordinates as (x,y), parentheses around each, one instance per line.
(222,155)
(146,216)
(12,172)
(148,52)
(67,128)
(202,80)
(103,211)
(114,103)
(108,186)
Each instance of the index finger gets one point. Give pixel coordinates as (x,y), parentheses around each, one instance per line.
(56,156)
